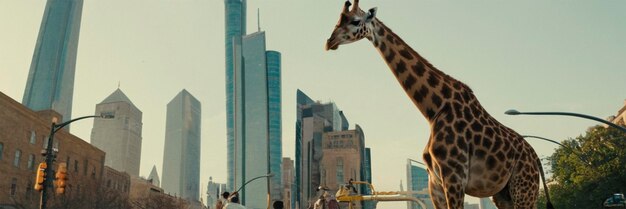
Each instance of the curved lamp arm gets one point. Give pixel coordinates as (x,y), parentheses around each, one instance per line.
(515,112)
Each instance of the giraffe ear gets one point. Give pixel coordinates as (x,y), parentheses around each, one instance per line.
(371,14)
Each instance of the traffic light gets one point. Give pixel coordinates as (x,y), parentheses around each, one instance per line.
(41,176)
(61,178)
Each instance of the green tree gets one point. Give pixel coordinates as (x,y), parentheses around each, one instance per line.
(590,169)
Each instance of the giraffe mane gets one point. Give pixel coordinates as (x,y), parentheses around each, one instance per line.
(425,61)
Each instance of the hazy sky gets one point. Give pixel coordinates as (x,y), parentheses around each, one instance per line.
(530,55)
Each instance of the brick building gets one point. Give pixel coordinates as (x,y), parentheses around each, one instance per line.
(23,135)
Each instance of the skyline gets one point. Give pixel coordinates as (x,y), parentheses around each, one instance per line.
(497,49)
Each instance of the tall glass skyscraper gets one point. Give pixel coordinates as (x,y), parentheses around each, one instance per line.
(313,120)
(302,100)
(50,83)
(181,157)
(235,17)
(275,120)
(257,147)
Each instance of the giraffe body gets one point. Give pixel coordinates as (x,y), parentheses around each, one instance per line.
(468,152)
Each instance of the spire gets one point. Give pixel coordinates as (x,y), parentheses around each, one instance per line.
(118,96)
(258,18)
(154,176)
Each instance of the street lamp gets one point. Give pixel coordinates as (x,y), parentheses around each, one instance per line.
(269,175)
(515,112)
(566,147)
(48,173)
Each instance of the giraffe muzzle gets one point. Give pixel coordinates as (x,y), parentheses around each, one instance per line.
(331,44)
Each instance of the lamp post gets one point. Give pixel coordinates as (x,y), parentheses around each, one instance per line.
(555,142)
(48,173)
(515,112)
(269,175)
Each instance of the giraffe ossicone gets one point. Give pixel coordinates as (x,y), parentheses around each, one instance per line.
(469,151)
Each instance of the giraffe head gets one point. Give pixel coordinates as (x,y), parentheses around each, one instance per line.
(353,25)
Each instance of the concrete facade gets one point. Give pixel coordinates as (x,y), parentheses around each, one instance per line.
(487,203)
(620,117)
(288,179)
(120,135)
(342,159)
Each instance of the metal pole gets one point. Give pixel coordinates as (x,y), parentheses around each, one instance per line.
(515,112)
(48,170)
(48,173)
(255,178)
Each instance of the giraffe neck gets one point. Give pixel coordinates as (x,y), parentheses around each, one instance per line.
(428,88)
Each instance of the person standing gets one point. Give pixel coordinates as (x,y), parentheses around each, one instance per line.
(222,201)
(234,203)
(278,205)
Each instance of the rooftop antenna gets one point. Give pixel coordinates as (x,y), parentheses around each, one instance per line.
(258,18)
(118,84)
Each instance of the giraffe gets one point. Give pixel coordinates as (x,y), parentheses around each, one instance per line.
(468,151)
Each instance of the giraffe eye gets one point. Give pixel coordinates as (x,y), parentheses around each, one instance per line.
(355,22)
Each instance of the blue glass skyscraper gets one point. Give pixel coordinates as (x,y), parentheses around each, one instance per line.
(417,181)
(257,146)
(235,23)
(275,119)
(302,100)
(181,157)
(50,83)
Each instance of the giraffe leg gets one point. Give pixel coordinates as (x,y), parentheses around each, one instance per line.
(436,194)
(524,183)
(503,199)
(455,195)
(446,194)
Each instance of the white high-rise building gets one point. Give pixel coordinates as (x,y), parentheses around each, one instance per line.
(181,157)
(120,137)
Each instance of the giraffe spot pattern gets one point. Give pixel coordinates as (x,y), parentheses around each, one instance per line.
(408,82)
(401,68)
(381,31)
(382,46)
(391,54)
(406,54)
(440,152)
(419,69)
(436,100)
(433,80)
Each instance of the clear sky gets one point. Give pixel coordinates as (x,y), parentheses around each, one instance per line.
(530,55)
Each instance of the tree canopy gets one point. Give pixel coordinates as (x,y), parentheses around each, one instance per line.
(588,170)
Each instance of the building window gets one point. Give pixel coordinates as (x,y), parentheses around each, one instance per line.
(75,166)
(45,142)
(16,160)
(29,187)
(340,179)
(33,137)
(31,161)
(85,167)
(1,150)
(108,113)
(13,186)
